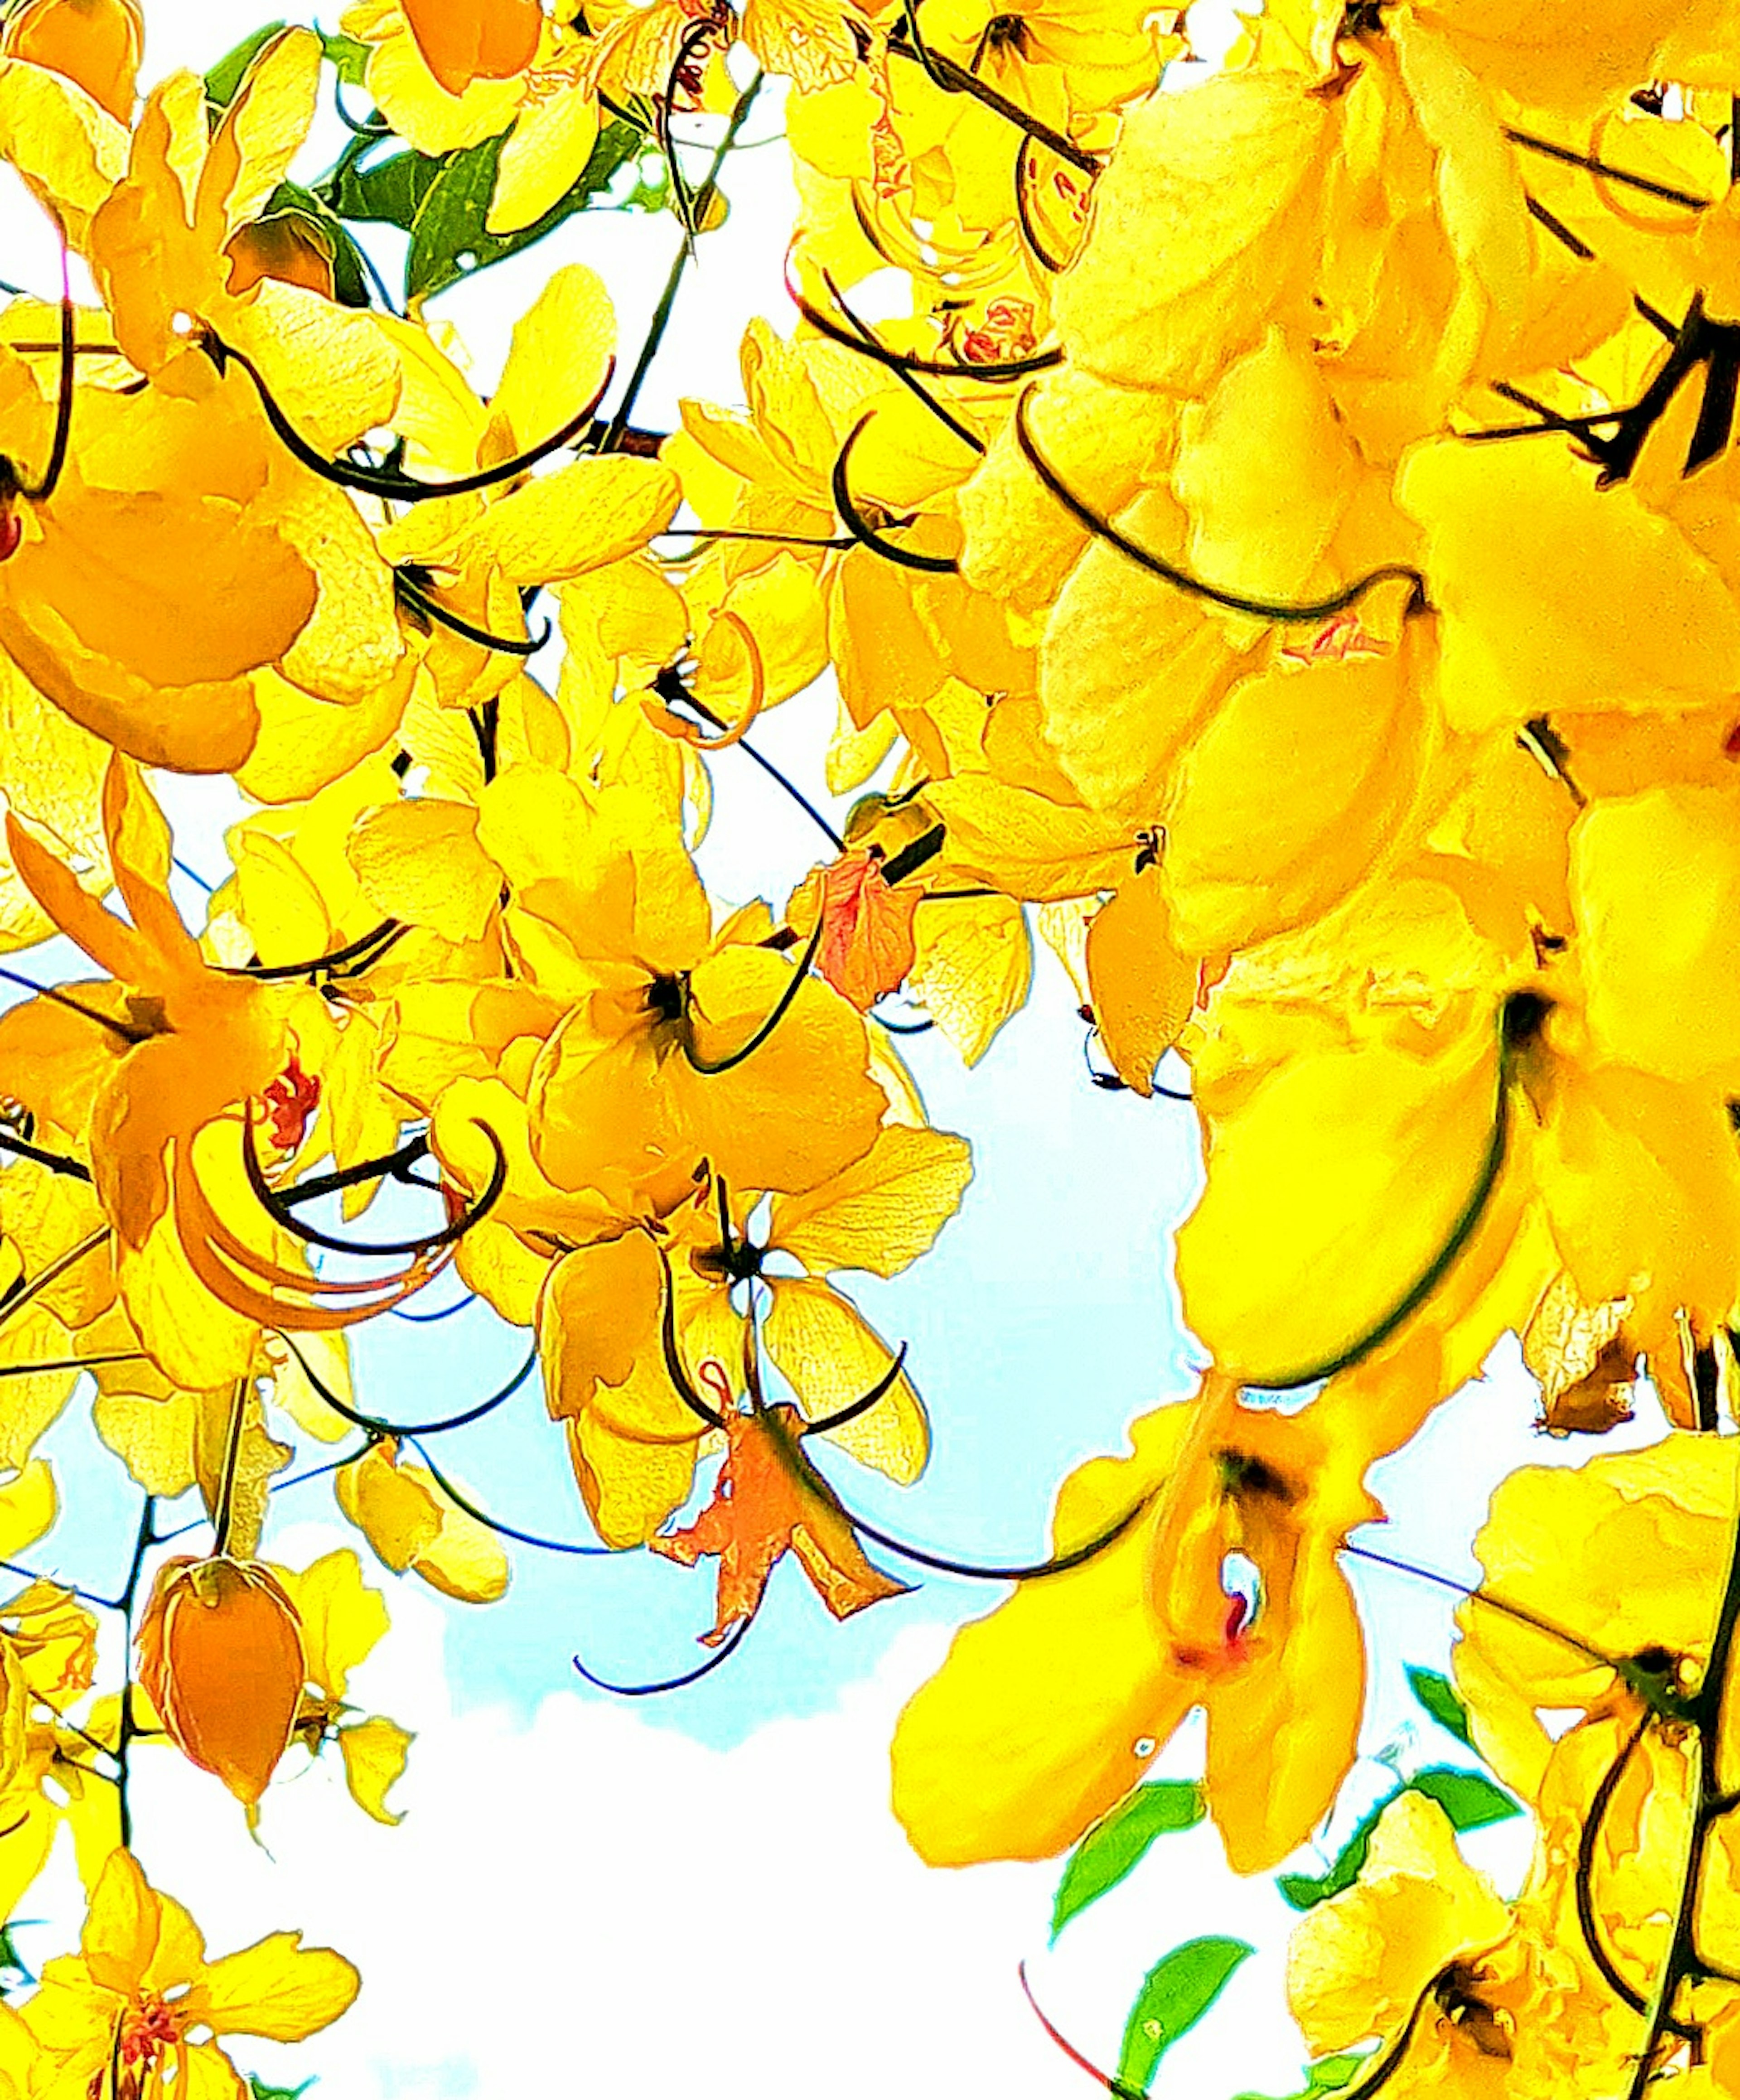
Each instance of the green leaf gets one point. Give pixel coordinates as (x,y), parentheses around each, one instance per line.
(389,193)
(14,1971)
(258,2089)
(1175,1994)
(1438,1695)
(448,239)
(1470,1799)
(347,55)
(225,77)
(443,201)
(1114,1844)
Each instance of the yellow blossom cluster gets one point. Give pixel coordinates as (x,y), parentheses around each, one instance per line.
(1271,532)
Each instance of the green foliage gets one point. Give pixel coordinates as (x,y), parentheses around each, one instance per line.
(14,1972)
(258,2089)
(1175,1994)
(348,56)
(1440,1699)
(443,202)
(1115,1843)
(1470,1799)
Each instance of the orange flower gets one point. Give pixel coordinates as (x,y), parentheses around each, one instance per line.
(220,1656)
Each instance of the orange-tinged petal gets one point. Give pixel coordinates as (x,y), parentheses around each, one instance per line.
(220,1659)
(95,43)
(466,40)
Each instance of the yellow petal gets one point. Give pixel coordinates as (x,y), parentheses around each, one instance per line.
(277,1989)
(832,1355)
(420,862)
(374,1751)
(1045,1713)
(884,1211)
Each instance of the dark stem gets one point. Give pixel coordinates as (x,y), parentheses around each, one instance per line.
(387,481)
(1102,528)
(223,1517)
(127,1728)
(865,533)
(726,1648)
(1058,1564)
(1571,159)
(661,313)
(955,79)
(864,339)
(495,1524)
(56,1163)
(712,1067)
(57,455)
(377,1428)
(382,937)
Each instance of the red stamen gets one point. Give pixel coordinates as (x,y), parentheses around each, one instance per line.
(291,1099)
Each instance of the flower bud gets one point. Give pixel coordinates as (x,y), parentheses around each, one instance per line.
(220,1655)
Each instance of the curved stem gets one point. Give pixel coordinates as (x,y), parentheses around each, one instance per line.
(415,598)
(63,437)
(726,1648)
(494,1524)
(1024,217)
(387,934)
(385,481)
(395,1163)
(377,1427)
(867,345)
(1259,608)
(712,1067)
(901,367)
(277,1206)
(674,1369)
(1058,1564)
(865,534)
(1583,1887)
(879,1391)
(1113,2085)
(1461,1232)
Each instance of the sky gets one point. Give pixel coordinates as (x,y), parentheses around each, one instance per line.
(711,1889)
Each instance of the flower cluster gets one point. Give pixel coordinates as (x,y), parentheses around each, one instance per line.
(1271,537)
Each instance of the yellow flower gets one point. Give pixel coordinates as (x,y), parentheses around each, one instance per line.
(341,1620)
(131,2001)
(1221,1590)
(164,1051)
(1362,1963)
